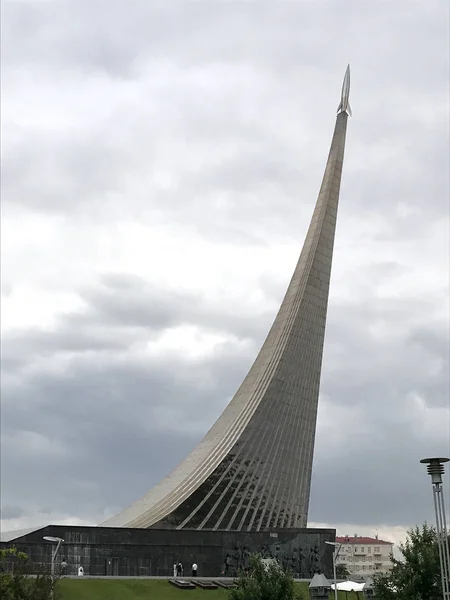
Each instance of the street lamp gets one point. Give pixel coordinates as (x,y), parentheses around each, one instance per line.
(58,541)
(436,470)
(337,547)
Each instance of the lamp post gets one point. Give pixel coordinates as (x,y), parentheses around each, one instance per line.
(436,470)
(58,541)
(337,547)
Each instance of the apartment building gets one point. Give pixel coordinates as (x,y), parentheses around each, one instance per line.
(364,556)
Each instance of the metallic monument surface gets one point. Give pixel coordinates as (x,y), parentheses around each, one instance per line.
(252,471)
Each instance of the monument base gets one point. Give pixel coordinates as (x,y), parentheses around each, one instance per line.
(117,551)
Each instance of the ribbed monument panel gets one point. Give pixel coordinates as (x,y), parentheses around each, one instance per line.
(252,471)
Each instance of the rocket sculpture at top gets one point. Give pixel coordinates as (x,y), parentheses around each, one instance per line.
(344,105)
(252,470)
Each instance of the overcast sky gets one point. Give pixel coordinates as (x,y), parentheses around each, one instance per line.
(161,161)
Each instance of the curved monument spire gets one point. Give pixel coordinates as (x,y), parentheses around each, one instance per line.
(252,470)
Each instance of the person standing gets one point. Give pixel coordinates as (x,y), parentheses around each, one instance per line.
(63,567)
(80,571)
(174,569)
(194,569)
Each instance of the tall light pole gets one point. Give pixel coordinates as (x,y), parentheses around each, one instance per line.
(436,470)
(337,547)
(58,541)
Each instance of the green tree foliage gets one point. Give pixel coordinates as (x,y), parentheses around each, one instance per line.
(418,575)
(342,572)
(265,582)
(15,584)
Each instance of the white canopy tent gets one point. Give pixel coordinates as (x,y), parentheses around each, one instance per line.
(349,586)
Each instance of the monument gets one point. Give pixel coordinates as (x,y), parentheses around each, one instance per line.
(245,487)
(252,471)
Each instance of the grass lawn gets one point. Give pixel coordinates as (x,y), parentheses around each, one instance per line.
(145,589)
(130,589)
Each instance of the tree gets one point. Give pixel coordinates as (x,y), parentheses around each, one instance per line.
(342,572)
(16,584)
(418,575)
(265,582)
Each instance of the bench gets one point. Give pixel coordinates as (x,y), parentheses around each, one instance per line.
(226,584)
(205,585)
(182,584)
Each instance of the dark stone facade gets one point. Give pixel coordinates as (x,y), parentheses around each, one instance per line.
(111,551)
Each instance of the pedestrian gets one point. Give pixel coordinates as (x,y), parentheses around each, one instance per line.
(194,569)
(63,566)
(175,569)
(179,570)
(80,571)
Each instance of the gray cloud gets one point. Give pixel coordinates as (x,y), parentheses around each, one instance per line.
(109,411)
(228,88)
(211,123)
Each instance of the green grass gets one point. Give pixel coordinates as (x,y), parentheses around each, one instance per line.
(131,589)
(145,589)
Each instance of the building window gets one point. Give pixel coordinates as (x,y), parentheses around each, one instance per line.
(369,549)
(362,549)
